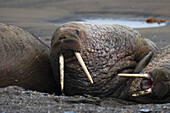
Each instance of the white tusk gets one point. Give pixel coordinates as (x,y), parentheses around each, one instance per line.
(83,66)
(135,75)
(61,61)
(140,93)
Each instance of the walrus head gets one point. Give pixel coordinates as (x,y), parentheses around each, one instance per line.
(66,50)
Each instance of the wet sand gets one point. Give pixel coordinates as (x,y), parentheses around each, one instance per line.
(36,16)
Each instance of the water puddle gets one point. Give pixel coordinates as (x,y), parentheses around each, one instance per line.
(130,23)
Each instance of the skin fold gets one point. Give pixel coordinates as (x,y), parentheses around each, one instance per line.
(106,49)
(24,60)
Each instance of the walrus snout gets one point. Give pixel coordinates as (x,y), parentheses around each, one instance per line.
(66,47)
(65,41)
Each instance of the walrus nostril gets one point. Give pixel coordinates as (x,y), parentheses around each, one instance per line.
(61,38)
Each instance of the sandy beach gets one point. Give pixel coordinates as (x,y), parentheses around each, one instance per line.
(37,16)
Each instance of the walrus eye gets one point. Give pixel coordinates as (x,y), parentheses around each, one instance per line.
(78,32)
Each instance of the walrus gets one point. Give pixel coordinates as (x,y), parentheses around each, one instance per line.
(107,51)
(157,80)
(24,60)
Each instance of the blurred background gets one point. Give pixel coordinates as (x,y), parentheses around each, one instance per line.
(41,17)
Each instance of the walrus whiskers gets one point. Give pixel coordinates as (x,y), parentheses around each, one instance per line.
(140,93)
(135,75)
(83,66)
(61,61)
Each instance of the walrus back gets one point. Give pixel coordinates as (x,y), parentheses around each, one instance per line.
(24,60)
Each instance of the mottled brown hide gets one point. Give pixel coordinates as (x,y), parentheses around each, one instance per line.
(24,60)
(159,70)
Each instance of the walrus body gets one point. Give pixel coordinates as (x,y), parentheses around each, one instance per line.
(24,60)
(107,51)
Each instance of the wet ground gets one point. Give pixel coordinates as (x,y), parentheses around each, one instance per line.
(17,100)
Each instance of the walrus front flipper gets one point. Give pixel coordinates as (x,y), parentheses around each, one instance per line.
(143,62)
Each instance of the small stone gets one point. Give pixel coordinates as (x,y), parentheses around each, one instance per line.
(145,111)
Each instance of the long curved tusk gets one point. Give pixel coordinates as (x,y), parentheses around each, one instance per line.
(135,75)
(140,93)
(83,66)
(61,61)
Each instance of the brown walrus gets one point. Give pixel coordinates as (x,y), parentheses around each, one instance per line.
(158,70)
(24,60)
(107,50)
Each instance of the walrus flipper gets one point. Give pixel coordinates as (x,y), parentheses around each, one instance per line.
(143,63)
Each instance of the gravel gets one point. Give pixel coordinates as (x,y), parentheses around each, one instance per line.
(18,100)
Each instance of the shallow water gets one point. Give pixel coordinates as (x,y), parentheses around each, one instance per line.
(130,23)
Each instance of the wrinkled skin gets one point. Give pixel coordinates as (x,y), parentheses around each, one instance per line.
(159,70)
(24,60)
(107,50)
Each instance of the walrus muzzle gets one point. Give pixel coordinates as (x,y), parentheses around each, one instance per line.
(66,47)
